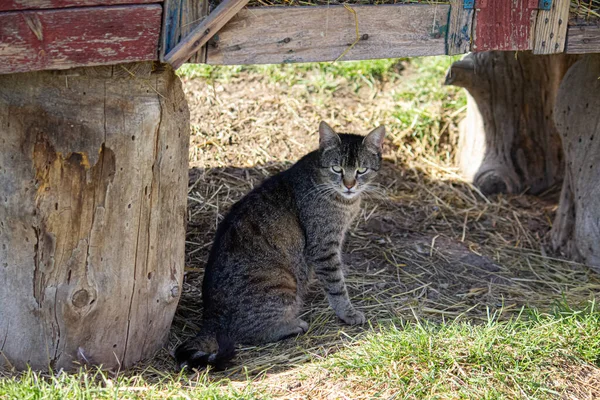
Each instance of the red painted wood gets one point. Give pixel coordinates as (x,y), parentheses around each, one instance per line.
(503,24)
(15,5)
(71,37)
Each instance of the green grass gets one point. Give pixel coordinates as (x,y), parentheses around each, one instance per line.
(359,72)
(98,385)
(528,356)
(518,358)
(424,105)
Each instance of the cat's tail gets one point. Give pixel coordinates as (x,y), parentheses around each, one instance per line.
(206,349)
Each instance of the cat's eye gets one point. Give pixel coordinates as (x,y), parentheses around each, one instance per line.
(361,171)
(337,169)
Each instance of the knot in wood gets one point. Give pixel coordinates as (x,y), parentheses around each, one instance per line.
(81,298)
(175,291)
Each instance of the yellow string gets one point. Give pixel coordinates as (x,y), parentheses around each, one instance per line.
(347,7)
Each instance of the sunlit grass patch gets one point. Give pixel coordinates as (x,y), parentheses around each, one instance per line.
(530,355)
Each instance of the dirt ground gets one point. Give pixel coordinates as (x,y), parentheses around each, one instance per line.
(427,246)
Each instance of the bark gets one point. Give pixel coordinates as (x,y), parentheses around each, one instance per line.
(576,229)
(93,177)
(508,142)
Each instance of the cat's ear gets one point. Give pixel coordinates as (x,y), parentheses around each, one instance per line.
(374,140)
(327,136)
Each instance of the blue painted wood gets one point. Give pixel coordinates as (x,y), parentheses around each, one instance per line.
(180,18)
(171,23)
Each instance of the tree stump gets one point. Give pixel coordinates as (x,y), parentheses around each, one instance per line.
(508,143)
(93,188)
(576,229)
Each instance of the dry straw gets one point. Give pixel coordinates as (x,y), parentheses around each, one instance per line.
(585,9)
(426,246)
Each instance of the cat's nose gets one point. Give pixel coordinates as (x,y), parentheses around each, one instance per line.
(349,184)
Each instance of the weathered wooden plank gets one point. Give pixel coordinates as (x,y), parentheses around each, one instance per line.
(66,38)
(503,25)
(180,17)
(459,29)
(16,5)
(551,28)
(309,34)
(583,39)
(203,32)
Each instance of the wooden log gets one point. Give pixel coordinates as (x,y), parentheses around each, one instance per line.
(508,142)
(70,37)
(93,178)
(269,35)
(180,17)
(576,228)
(203,32)
(16,5)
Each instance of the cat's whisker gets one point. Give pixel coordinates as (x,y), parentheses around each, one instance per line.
(319,191)
(315,189)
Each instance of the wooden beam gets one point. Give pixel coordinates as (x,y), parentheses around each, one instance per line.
(204,32)
(551,28)
(460,27)
(310,34)
(19,5)
(71,37)
(180,17)
(583,39)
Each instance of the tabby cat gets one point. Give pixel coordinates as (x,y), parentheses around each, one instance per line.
(273,239)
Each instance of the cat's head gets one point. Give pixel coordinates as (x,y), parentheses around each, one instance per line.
(349,162)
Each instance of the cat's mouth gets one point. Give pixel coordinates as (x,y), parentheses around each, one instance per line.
(349,193)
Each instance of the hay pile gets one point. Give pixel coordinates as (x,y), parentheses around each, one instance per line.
(427,246)
(585,10)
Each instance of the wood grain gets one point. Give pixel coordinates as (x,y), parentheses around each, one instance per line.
(503,25)
(93,186)
(575,232)
(583,39)
(508,142)
(203,32)
(71,37)
(459,29)
(180,17)
(15,5)
(551,28)
(309,34)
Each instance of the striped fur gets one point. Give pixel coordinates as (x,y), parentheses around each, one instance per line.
(274,239)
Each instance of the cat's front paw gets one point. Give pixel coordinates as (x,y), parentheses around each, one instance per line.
(352,317)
